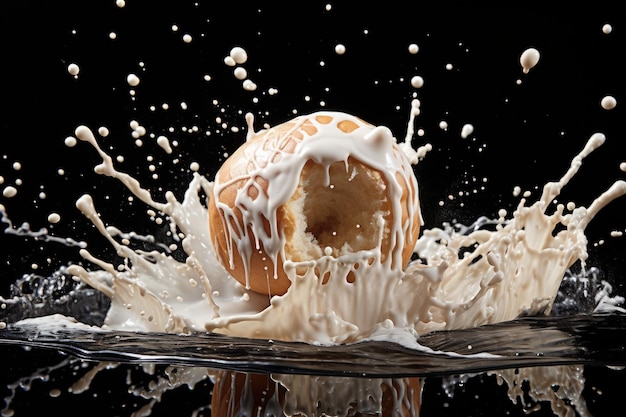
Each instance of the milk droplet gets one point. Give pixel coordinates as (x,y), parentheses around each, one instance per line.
(248,85)
(528,59)
(54,218)
(608,102)
(240,73)
(187,38)
(132,80)
(103,131)
(9,191)
(73,69)
(70,141)
(340,49)
(83,133)
(120,3)
(607,28)
(164,143)
(443,125)
(239,55)
(413,48)
(622,166)
(417,81)
(467,130)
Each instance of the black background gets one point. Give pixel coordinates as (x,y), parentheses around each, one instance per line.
(525,134)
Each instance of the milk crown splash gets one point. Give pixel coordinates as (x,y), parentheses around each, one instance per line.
(512,270)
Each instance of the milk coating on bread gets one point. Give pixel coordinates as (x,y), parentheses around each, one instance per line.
(253,189)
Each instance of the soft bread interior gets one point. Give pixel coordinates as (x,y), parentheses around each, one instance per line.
(337,209)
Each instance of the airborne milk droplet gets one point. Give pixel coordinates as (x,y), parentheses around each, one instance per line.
(249,85)
(467,130)
(164,143)
(340,49)
(608,102)
(528,59)
(132,80)
(240,73)
(238,55)
(70,141)
(417,81)
(54,218)
(9,191)
(73,69)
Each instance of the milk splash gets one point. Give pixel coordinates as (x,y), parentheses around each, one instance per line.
(463,276)
(513,270)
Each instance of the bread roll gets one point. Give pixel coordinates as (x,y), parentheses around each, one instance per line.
(323,184)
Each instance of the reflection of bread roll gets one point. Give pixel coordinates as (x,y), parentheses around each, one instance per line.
(322,184)
(240,394)
(234,393)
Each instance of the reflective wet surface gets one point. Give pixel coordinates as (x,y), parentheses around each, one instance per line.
(595,339)
(567,364)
